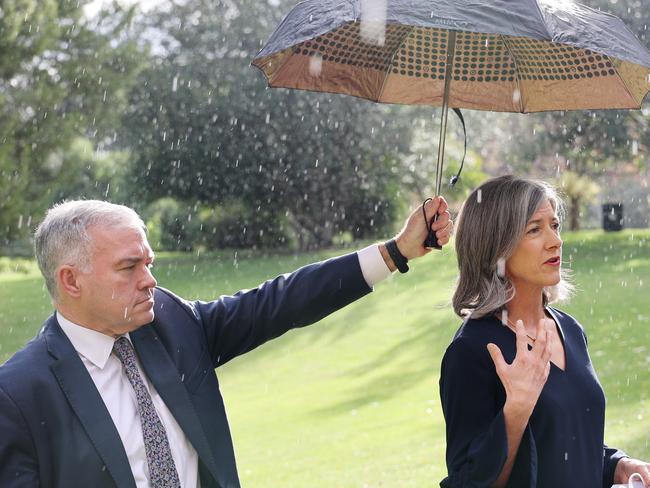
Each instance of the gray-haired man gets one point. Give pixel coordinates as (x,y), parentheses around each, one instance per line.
(119,387)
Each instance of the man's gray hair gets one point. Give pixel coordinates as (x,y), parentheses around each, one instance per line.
(491,223)
(62,237)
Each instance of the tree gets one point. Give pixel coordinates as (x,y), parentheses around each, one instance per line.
(204,129)
(61,76)
(420,164)
(578,190)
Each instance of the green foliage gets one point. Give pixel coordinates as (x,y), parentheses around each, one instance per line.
(579,190)
(82,172)
(16,266)
(61,76)
(177,226)
(420,164)
(204,129)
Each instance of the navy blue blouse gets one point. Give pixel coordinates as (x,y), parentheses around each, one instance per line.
(562,446)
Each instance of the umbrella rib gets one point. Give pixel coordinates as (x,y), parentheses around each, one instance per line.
(514,61)
(392,58)
(623,81)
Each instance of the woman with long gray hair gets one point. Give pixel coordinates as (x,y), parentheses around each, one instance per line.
(523,406)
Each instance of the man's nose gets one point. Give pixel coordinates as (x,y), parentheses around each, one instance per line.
(148,280)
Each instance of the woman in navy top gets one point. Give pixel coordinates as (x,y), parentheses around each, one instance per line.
(523,406)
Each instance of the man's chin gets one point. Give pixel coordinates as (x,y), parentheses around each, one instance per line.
(146,318)
(139,319)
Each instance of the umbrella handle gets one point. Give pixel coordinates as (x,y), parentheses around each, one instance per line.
(431,242)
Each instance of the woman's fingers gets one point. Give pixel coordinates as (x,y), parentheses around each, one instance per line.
(541,335)
(522,338)
(497,358)
(547,371)
(548,347)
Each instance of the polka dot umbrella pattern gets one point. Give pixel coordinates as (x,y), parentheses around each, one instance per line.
(509,55)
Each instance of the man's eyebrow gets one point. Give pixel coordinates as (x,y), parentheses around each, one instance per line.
(136,259)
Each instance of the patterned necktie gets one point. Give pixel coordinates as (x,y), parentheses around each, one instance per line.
(162,470)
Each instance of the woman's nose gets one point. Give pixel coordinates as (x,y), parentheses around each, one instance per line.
(555,240)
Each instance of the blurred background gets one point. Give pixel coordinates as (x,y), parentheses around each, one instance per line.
(154,104)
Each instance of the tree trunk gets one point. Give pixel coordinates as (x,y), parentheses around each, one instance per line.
(574,214)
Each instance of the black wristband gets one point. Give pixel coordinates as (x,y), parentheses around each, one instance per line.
(397,257)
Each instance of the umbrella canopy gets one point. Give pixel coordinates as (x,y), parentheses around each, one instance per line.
(512,56)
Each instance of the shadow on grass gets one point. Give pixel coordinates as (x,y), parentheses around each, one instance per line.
(379,389)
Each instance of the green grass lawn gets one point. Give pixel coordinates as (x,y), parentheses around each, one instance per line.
(353,401)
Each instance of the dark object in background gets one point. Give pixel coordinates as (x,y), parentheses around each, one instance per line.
(612,216)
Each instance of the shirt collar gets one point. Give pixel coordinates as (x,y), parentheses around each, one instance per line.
(93,345)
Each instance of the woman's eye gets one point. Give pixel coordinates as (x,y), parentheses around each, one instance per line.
(533,230)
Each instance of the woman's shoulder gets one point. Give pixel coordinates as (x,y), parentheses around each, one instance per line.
(479,329)
(476,333)
(467,353)
(565,320)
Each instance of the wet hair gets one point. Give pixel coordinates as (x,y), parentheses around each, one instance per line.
(62,237)
(489,227)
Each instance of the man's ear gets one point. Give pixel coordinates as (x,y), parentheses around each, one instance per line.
(68,282)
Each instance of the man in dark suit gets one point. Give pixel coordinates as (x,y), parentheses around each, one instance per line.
(119,387)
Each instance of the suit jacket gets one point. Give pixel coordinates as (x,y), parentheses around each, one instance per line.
(55,430)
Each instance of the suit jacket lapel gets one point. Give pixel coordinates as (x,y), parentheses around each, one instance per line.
(85,400)
(162,372)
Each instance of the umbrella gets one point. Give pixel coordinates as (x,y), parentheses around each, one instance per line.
(498,55)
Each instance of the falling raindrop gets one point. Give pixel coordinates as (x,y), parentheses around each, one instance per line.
(315,65)
(373,21)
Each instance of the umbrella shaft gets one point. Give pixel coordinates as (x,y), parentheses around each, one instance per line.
(451,49)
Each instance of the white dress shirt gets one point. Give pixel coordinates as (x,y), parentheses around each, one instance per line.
(107,372)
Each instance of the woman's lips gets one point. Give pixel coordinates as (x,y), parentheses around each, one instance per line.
(555,261)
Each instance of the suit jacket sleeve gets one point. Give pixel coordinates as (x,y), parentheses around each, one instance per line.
(236,324)
(18,463)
